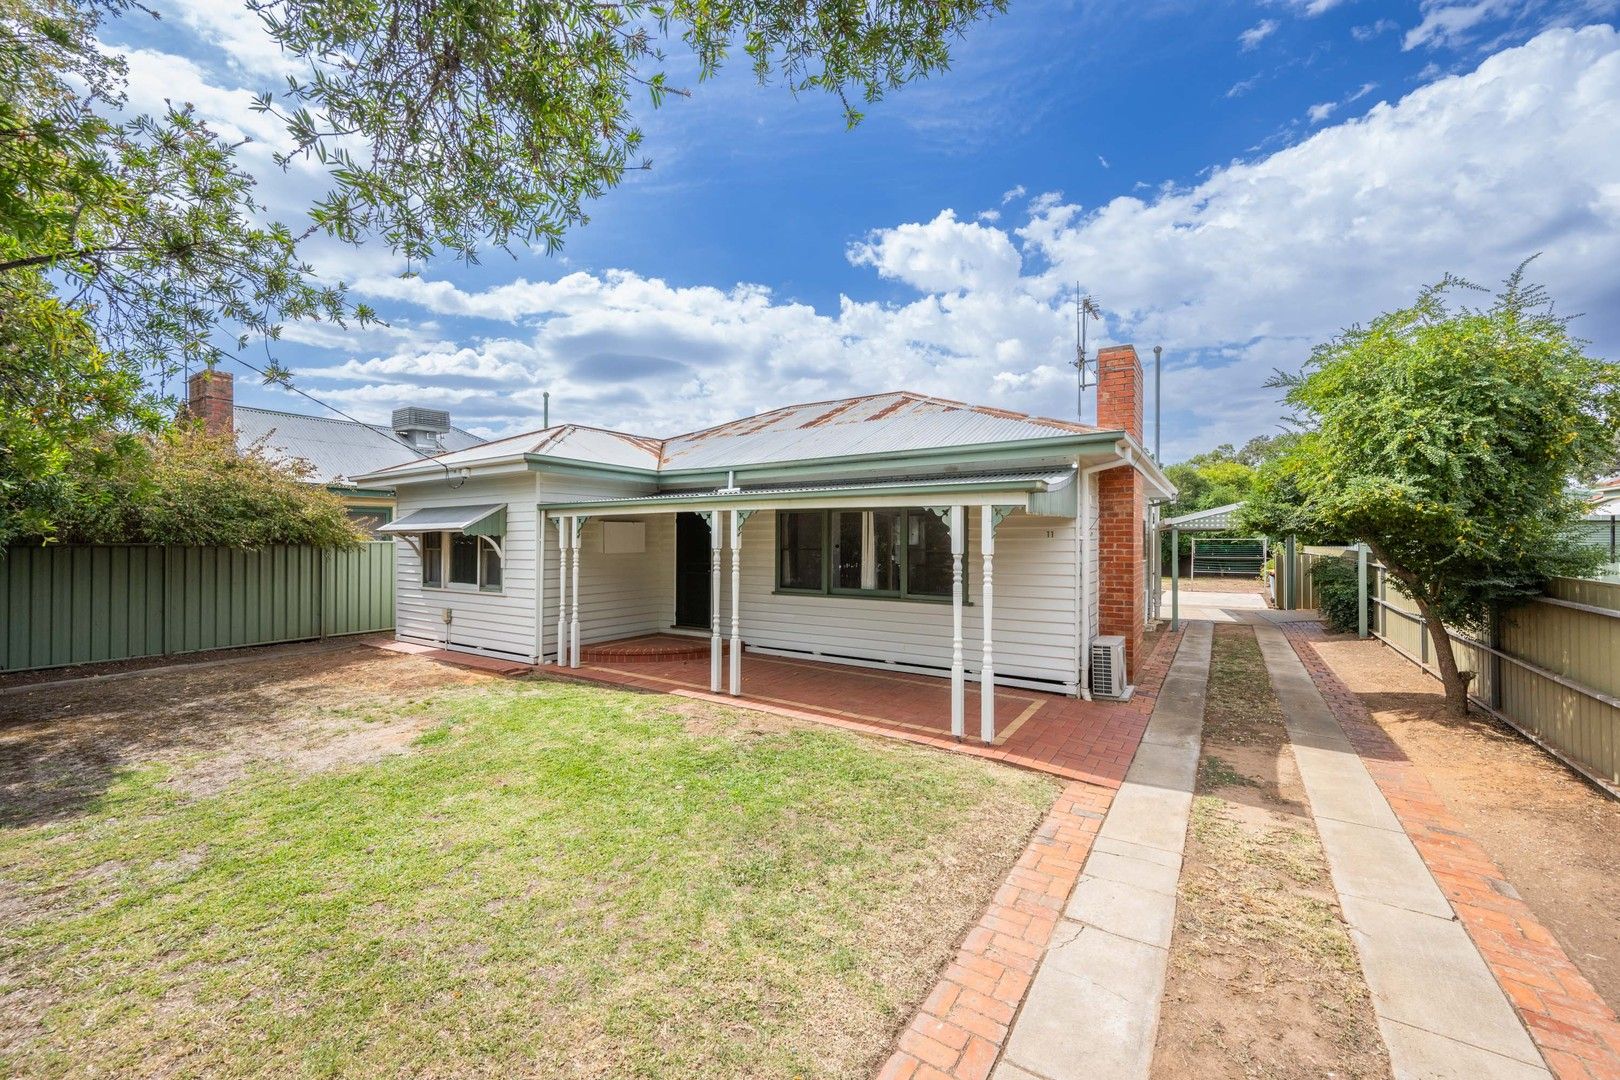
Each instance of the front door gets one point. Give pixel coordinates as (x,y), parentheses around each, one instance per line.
(691,571)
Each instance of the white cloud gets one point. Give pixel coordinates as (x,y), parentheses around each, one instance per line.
(1322,110)
(1236,275)
(1103,162)
(943,256)
(1448,23)
(1257,33)
(1374,29)
(1316,7)
(237,33)
(1016,192)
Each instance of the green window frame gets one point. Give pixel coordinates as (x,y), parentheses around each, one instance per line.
(449,564)
(880,566)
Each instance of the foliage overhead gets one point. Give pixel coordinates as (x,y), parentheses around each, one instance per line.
(147,224)
(455,125)
(185,486)
(1446,437)
(135,246)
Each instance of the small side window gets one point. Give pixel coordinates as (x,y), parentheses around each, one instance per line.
(433,558)
(490,565)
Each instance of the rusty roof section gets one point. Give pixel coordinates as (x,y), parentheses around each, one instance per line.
(889,423)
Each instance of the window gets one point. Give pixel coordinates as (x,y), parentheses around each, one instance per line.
(866,551)
(433,559)
(370,518)
(461,561)
(928,555)
(894,553)
(800,564)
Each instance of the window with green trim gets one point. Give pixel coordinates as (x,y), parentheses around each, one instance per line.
(903,554)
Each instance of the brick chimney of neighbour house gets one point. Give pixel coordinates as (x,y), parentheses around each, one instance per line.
(211,398)
(1121,506)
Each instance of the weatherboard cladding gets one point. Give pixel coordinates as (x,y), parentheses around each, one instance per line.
(893,423)
(334,448)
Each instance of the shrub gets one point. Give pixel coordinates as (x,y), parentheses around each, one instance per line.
(1338,597)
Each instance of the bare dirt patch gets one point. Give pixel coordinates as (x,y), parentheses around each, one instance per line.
(1556,837)
(60,746)
(1219,584)
(1263,980)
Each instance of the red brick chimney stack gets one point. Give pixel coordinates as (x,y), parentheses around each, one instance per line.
(211,398)
(1122,507)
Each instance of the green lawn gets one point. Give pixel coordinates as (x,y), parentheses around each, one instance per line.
(553,880)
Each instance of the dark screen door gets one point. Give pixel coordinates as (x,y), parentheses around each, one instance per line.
(691,571)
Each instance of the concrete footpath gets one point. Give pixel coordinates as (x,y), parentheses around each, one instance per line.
(1092,1011)
(1440,1010)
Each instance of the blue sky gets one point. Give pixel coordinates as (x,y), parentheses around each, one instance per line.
(1234,181)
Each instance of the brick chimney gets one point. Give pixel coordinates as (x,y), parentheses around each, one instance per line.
(1122,507)
(211,398)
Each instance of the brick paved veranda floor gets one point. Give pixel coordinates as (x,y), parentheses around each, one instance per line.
(1091,741)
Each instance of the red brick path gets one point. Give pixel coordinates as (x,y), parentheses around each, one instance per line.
(1091,741)
(960,1029)
(1575,1029)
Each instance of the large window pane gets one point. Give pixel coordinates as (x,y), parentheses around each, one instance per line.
(885,562)
(463,559)
(491,565)
(800,557)
(847,548)
(433,558)
(928,555)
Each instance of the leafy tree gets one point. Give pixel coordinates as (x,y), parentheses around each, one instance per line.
(453,124)
(70,408)
(133,246)
(1445,437)
(185,486)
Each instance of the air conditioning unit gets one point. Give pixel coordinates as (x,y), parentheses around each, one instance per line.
(1108,668)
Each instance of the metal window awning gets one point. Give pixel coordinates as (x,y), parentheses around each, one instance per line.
(488,519)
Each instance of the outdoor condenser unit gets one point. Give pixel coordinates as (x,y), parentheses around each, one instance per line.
(1108,667)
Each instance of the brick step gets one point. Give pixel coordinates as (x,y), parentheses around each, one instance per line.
(651,649)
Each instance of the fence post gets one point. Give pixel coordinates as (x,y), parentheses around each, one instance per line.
(1290,586)
(1361,590)
(1175,578)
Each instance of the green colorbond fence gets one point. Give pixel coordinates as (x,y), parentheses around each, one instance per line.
(84,604)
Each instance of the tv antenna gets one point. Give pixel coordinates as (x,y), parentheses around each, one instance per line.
(1085,309)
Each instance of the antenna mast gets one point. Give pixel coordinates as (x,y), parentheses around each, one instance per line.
(1085,308)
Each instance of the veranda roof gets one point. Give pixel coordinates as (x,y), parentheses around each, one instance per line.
(1023,483)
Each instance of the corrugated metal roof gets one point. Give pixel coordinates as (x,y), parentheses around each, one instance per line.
(1045,478)
(442,518)
(335,448)
(891,423)
(882,423)
(1215,519)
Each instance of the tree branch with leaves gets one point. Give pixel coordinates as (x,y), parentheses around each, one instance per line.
(1447,438)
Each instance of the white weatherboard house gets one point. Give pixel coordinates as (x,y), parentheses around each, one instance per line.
(895,530)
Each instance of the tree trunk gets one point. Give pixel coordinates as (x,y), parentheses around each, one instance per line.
(1445,658)
(1453,680)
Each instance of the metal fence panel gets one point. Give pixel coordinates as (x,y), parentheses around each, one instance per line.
(80,604)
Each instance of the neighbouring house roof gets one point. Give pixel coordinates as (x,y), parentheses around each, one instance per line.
(1215,519)
(335,448)
(877,424)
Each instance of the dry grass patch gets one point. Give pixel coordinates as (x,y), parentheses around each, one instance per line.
(1263,979)
(551,879)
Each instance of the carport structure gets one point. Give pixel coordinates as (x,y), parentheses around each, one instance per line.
(1217,519)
